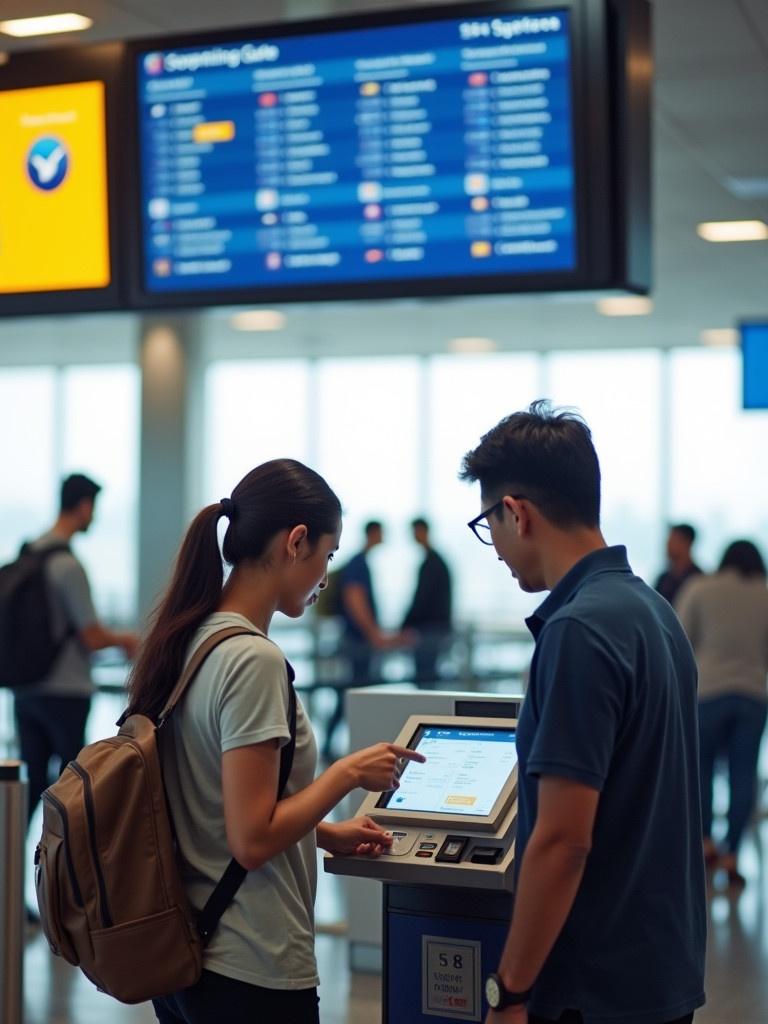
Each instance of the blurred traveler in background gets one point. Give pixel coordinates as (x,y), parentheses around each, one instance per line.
(51,714)
(726,618)
(430,612)
(361,634)
(680,563)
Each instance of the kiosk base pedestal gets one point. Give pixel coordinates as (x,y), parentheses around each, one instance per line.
(439,945)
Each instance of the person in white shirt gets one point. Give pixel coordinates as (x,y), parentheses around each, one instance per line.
(726,618)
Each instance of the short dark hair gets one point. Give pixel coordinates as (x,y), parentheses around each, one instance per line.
(744,557)
(546,454)
(419,523)
(76,488)
(685,530)
(371,526)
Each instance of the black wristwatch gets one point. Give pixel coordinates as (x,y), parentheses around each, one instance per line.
(498,995)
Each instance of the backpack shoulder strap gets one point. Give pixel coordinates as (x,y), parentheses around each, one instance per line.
(234,875)
(196,663)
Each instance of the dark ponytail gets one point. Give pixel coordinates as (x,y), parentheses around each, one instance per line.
(275,496)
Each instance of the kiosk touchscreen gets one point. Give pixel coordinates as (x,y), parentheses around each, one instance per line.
(452,818)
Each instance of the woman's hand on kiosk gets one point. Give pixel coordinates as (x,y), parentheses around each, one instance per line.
(378,768)
(356,837)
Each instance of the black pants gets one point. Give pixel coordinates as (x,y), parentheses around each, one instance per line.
(215,999)
(574,1017)
(49,727)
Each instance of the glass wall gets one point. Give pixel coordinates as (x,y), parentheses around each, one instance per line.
(719,453)
(390,433)
(78,419)
(468,395)
(619,395)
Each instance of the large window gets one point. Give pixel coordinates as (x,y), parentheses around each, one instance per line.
(367,438)
(468,396)
(718,453)
(256,411)
(99,436)
(80,419)
(389,434)
(28,456)
(619,395)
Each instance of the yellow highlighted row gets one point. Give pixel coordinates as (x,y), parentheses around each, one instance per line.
(214,131)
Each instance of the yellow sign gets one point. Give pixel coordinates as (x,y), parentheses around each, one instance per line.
(54,219)
(460,800)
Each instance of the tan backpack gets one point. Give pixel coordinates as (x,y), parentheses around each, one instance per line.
(108,883)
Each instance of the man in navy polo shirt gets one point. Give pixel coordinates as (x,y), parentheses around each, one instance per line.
(609,925)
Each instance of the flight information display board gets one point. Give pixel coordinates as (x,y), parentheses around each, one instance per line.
(754,349)
(54,220)
(432,150)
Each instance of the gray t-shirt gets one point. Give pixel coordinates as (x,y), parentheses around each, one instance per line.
(71,609)
(240,697)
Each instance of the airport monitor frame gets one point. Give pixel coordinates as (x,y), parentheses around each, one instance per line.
(611,74)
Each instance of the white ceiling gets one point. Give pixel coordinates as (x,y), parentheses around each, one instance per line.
(710,124)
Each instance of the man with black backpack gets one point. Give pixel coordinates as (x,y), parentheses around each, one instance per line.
(48,629)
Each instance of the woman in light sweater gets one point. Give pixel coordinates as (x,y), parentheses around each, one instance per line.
(726,618)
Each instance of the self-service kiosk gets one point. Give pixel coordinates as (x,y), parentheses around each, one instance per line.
(448,875)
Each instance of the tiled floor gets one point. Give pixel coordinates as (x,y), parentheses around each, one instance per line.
(737,974)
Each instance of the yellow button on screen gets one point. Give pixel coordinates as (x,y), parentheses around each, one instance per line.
(214,131)
(459,800)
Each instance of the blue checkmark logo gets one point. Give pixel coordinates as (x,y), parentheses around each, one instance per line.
(47,163)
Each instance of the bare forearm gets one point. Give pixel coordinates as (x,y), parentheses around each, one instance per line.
(297,815)
(96,637)
(550,876)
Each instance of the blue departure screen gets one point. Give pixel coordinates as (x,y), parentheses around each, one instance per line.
(754,347)
(425,150)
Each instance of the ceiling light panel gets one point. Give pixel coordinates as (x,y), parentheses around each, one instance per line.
(733,231)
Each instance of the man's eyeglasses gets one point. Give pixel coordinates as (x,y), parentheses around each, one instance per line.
(479,525)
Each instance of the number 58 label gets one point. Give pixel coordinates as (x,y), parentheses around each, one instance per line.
(450,978)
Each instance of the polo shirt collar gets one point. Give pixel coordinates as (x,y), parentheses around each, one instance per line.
(610,559)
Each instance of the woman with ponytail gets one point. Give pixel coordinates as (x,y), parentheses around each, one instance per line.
(221,746)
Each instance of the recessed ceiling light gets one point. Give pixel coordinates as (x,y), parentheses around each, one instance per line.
(733,231)
(258,320)
(719,336)
(45,26)
(625,305)
(472,345)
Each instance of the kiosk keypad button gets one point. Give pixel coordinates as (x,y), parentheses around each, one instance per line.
(427,846)
(424,853)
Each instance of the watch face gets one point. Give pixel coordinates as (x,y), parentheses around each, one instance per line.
(492,992)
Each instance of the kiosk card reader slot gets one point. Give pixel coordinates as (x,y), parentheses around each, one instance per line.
(453,818)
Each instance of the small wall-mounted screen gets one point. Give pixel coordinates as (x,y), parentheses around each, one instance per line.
(426,150)
(464,774)
(54,219)
(754,347)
